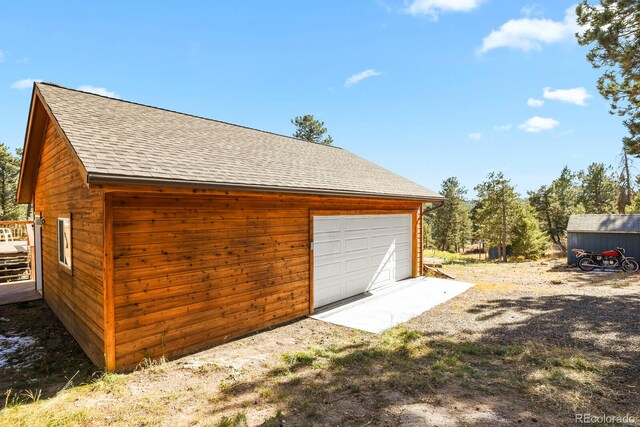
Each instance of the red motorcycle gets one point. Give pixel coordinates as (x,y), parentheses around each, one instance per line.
(614,258)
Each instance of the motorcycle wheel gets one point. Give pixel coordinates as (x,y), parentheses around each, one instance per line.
(586,264)
(630,266)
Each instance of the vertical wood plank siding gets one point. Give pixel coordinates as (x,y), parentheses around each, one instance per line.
(75,297)
(191,271)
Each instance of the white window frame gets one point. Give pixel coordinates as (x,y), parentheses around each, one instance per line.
(61,224)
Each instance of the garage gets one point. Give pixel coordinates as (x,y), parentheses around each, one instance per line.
(357,253)
(186,232)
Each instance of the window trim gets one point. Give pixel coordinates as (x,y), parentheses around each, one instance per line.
(59,232)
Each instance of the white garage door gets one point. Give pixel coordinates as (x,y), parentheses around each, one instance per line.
(355,253)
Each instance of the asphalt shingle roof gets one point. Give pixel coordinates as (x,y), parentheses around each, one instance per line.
(604,223)
(120,139)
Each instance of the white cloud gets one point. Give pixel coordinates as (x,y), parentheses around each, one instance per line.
(502,128)
(475,136)
(537,124)
(577,95)
(98,91)
(531,10)
(533,102)
(431,8)
(357,78)
(531,33)
(1,56)
(24,84)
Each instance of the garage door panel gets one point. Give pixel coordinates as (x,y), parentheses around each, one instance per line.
(381,240)
(356,265)
(323,296)
(329,270)
(382,252)
(356,244)
(403,272)
(375,250)
(401,238)
(327,224)
(357,223)
(402,254)
(383,221)
(329,247)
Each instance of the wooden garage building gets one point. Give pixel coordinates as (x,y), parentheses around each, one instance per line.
(164,233)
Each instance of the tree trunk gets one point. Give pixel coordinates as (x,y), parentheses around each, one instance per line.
(3,196)
(504,229)
(627,182)
(552,232)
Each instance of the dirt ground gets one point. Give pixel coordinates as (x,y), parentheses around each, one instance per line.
(533,343)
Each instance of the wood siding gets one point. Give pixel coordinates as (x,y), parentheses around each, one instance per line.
(193,270)
(75,296)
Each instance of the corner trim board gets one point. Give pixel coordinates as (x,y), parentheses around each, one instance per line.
(109,295)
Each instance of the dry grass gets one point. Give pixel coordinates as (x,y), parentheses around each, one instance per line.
(515,349)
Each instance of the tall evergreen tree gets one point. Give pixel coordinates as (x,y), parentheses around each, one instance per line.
(451,226)
(626,189)
(9,171)
(310,129)
(598,189)
(634,208)
(527,239)
(498,211)
(612,28)
(554,204)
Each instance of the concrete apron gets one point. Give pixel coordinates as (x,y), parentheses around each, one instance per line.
(380,309)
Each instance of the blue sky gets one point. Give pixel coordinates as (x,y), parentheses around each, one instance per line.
(427,88)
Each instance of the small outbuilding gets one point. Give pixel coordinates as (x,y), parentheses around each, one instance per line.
(599,233)
(163,233)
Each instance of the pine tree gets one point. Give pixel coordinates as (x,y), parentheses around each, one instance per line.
(310,129)
(626,189)
(634,208)
(612,29)
(9,171)
(554,204)
(599,190)
(450,224)
(498,211)
(527,239)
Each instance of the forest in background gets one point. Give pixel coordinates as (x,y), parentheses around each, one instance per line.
(10,210)
(528,225)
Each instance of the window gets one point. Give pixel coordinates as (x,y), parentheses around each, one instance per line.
(64,242)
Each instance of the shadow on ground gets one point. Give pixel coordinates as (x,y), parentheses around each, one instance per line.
(566,354)
(538,361)
(612,278)
(37,352)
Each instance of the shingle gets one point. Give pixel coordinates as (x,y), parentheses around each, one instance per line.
(138,141)
(604,223)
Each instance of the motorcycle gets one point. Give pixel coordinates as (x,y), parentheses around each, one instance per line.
(614,258)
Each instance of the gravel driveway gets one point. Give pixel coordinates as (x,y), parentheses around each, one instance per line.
(533,344)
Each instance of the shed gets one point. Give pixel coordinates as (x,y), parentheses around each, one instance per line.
(599,233)
(164,233)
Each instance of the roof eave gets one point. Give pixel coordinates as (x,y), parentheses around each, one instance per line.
(31,149)
(110,179)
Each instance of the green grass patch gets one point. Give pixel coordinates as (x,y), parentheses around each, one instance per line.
(237,420)
(298,358)
(452,258)
(508,350)
(575,363)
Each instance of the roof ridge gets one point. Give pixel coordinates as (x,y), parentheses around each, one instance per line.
(185,114)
